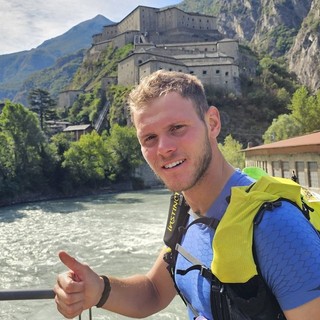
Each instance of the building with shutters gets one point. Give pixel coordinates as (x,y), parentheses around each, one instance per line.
(299,154)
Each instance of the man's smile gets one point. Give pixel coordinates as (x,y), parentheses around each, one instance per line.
(173,164)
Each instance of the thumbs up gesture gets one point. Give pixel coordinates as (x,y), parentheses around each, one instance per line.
(78,289)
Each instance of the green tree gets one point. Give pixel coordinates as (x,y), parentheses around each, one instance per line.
(22,127)
(283,127)
(87,160)
(118,113)
(25,146)
(40,101)
(7,169)
(305,109)
(231,149)
(61,142)
(124,149)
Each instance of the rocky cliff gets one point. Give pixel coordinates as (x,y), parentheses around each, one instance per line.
(287,28)
(267,25)
(304,56)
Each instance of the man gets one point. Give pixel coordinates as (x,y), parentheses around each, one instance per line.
(178,131)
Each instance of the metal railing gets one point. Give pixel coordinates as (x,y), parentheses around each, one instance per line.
(31,294)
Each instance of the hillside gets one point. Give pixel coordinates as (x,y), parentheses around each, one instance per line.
(279,28)
(15,68)
(304,54)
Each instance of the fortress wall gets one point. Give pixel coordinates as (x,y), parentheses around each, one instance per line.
(173,17)
(191,47)
(142,19)
(229,47)
(148,19)
(68,97)
(128,70)
(154,65)
(108,33)
(130,22)
(124,38)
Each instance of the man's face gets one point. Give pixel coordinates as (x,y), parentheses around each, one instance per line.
(174,141)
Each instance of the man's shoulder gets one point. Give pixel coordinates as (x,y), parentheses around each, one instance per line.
(285,222)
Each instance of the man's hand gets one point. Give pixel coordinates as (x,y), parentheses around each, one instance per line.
(78,289)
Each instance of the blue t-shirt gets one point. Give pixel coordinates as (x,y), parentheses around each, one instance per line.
(287,247)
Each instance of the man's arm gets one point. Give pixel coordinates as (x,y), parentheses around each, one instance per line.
(138,296)
(308,311)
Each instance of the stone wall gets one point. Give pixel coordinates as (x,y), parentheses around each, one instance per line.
(153,22)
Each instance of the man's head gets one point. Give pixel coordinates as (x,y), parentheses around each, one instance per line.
(163,82)
(176,128)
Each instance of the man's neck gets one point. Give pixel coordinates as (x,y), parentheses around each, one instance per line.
(202,196)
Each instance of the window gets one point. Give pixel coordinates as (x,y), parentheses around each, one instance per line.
(276,169)
(204,72)
(313,174)
(286,170)
(217,71)
(227,73)
(265,166)
(300,173)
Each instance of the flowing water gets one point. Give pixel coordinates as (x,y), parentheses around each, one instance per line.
(117,234)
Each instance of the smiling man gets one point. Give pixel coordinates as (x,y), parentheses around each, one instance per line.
(178,134)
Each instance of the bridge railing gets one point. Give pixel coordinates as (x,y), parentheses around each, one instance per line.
(31,294)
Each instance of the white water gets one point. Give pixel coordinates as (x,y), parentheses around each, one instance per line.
(117,234)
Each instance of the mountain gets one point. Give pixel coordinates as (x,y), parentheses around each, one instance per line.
(281,28)
(266,25)
(15,68)
(303,56)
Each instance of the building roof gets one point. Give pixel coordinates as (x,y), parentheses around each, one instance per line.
(79,127)
(306,143)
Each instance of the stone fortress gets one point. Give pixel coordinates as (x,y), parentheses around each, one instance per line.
(174,40)
(170,39)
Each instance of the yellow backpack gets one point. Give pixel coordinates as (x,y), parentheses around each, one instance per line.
(233,269)
(233,260)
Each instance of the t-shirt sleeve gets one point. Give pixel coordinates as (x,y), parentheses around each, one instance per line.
(288,253)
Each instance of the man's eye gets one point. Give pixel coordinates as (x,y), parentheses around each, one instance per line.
(149,138)
(177,128)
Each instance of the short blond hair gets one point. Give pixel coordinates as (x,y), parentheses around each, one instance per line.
(163,82)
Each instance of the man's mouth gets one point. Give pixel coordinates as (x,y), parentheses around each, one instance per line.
(173,164)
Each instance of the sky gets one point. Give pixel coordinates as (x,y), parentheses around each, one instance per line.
(25,24)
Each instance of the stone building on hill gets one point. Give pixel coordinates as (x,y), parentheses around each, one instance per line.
(160,26)
(172,39)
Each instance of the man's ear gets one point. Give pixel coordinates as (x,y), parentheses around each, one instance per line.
(213,121)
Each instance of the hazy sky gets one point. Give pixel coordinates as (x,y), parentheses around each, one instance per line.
(25,24)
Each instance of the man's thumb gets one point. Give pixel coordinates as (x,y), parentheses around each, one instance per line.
(71,263)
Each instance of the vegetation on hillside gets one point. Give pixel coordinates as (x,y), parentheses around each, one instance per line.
(93,70)
(32,167)
(264,97)
(53,79)
(303,117)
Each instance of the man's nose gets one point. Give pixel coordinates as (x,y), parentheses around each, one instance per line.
(166,145)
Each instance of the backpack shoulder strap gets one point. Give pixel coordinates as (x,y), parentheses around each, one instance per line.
(177,217)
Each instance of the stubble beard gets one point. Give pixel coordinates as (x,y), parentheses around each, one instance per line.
(202,164)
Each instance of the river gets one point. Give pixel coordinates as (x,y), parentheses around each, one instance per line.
(118,234)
